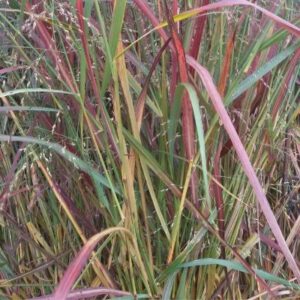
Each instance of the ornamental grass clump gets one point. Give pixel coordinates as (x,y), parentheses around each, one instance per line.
(149,149)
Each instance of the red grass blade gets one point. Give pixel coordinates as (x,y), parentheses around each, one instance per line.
(245,161)
(140,105)
(147,11)
(52,51)
(187,110)
(78,263)
(188,128)
(198,32)
(226,64)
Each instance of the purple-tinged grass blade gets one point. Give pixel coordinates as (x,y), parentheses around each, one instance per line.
(227,3)
(147,11)
(79,262)
(245,161)
(198,31)
(12,69)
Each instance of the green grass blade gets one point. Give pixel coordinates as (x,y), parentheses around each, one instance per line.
(6,109)
(201,139)
(34,90)
(232,265)
(76,161)
(117,23)
(259,73)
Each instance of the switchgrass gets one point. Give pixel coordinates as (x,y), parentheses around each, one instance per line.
(149,149)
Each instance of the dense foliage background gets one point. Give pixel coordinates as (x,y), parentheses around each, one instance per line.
(160,139)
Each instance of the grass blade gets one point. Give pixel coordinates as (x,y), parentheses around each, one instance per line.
(76,266)
(244,159)
(260,73)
